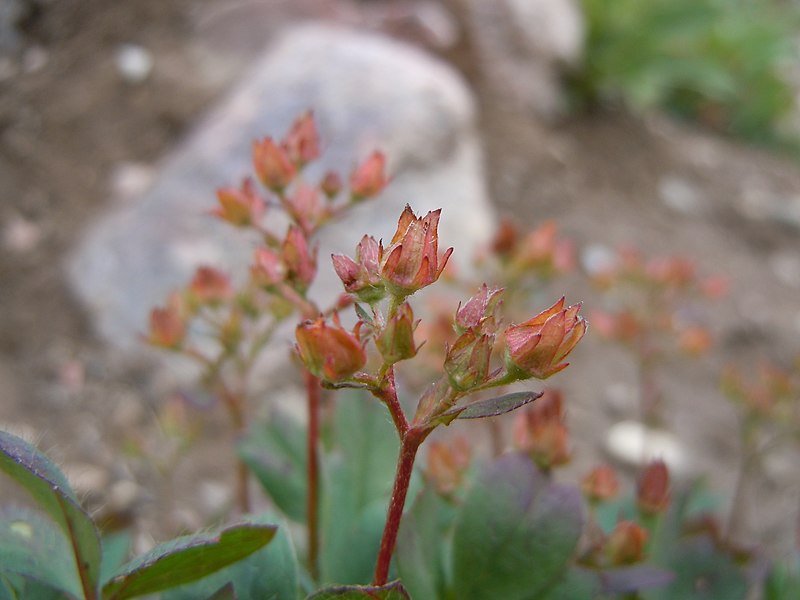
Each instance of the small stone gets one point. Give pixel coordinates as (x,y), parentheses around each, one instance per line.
(635,444)
(21,236)
(123,495)
(34,59)
(598,258)
(130,179)
(214,496)
(680,195)
(134,63)
(620,397)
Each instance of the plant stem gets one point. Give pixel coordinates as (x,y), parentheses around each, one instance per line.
(312,500)
(409,445)
(234,402)
(742,473)
(387,393)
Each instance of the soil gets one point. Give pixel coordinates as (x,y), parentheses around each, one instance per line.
(67,125)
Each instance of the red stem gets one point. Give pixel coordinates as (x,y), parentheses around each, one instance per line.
(405,465)
(235,404)
(388,395)
(312,500)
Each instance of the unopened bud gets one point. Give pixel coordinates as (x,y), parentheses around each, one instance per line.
(652,493)
(168,324)
(369,178)
(302,142)
(210,286)
(329,351)
(300,261)
(272,165)
(600,484)
(396,341)
(626,544)
(241,206)
(331,185)
(467,360)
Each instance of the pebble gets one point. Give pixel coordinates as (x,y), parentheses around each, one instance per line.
(597,258)
(134,63)
(786,267)
(680,195)
(21,236)
(635,444)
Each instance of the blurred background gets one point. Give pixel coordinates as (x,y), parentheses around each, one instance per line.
(672,127)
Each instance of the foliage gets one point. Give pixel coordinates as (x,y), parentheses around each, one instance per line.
(725,64)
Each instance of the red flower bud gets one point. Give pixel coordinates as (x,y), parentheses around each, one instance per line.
(396,341)
(272,165)
(329,351)
(537,347)
(600,484)
(305,208)
(301,144)
(412,260)
(369,178)
(626,544)
(540,431)
(331,185)
(479,311)
(299,260)
(652,492)
(361,276)
(241,207)
(447,464)
(210,286)
(267,269)
(168,324)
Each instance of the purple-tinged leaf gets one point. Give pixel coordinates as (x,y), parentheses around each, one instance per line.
(186,559)
(626,580)
(516,532)
(46,483)
(390,591)
(226,592)
(490,407)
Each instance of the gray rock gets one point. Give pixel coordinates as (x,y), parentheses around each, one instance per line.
(523,47)
(367,92)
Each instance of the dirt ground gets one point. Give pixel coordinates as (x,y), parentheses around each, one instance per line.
(67,124)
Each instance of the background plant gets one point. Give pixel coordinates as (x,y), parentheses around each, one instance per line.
(724,64)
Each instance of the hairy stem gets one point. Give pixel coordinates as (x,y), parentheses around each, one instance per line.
(409,445)
(387,393)
(312,500)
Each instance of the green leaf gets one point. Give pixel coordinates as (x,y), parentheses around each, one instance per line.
(701,572)
(491,407)
(423,546)
(276,454)
(358,476)
(34,547)
(268,574)
(116,550)
(46,483)
(186,559)
(516,532)
(390,591)
(19,587)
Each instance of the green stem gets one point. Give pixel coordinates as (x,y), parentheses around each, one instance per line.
(312,499)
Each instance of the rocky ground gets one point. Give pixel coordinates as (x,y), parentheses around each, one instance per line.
(84,119)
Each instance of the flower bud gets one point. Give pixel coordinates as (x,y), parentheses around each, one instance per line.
(267,269)
(329,351)
(479,311)
(241,207)
(540,431)
(537,347)
(626,544)
(331,185)
(299,260)
(361,276)
(467,360)
(305,208)
(369,178)
(272,165)
(301,144)
(652,492)
(168,324)
(210,286)
(600,484)
(447,464)
(412,260)
(396,340)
